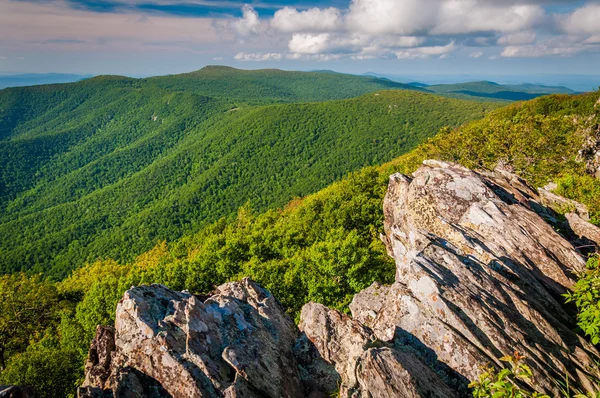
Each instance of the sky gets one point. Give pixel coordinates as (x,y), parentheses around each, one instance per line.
(401,37)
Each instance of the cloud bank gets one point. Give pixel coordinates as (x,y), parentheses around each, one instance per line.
(414,29)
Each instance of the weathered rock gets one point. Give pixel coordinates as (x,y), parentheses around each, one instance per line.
(17,392)
(237,343)
(97,366)
(583,228)
(367,368)
(560,204)
(479,275)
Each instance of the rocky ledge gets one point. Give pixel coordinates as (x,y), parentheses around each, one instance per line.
(480,273)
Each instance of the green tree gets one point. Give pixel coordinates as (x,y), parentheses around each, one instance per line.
(28,305)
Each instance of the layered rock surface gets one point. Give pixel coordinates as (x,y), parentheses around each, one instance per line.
(236,343)
(480,274)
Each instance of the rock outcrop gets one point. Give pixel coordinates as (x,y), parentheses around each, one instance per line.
(236,343)
(479,275)
(480,272)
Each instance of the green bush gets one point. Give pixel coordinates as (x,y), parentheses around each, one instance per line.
(51,370)
(506,383)
(586,296)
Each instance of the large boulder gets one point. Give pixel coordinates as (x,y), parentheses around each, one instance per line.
(367,367)
(236,343)
(479,275)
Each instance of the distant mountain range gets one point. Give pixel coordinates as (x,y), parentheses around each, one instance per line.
(486,89)
(33,79)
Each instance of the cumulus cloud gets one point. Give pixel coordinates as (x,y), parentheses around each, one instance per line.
(290,20)
(471,16)
(249,23)
(258,57)
(307,43)
(407,17)
(584,20)
(426,52)
(413,29)
(516,39)
(538,50)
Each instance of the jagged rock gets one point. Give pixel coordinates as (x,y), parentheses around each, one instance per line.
(479,274)
(237,343)
(560,204)
(583,228)
(17,392)
(367,368)
(97,366)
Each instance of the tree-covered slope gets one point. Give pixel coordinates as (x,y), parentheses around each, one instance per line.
(324,247)
(115,164)
(491,90)
(274,85)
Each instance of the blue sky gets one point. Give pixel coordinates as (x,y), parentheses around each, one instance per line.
(412,38)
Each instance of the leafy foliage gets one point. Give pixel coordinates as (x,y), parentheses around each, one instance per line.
(507,382)
(28,305)
(45,366)
(586,296)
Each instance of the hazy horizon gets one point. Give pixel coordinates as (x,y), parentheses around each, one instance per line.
(406,37)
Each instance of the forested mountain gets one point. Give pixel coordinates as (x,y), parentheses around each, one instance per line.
(38,78)
(324,247)
(483,90)
(491,90)
(274,85)
(109,166)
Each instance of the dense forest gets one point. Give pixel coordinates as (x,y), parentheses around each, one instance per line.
(146,184)
(107,167)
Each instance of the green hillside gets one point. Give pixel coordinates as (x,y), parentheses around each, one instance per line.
(274,85)
(324,247)
(109,166)
(494,91)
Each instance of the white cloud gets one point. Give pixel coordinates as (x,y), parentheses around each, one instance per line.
(539,50)
(290,20)
(406,17)
(306,43)
(517,39)
(472,16)
(314,57)
(584,20)
(258,57)
(249,23)
(412,29)
(426,52)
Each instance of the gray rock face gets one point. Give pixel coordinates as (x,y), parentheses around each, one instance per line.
(237,343)
(583,229)
(479,275)
(367,367)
